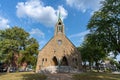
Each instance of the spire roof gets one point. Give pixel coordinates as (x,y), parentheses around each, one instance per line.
(59,16)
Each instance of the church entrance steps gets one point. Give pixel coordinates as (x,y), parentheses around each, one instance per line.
(58,69)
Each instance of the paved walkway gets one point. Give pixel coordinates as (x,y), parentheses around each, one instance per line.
(59,76)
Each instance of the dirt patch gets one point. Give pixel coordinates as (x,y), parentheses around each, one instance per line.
(59,76)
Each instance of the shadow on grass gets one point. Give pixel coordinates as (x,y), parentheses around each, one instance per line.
(2,73)
(96,76)
(35,76)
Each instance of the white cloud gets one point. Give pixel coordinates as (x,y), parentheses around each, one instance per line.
(37,32)
(84,5)
(81,34)
(79,37)
(4,23)
(36,10)
(62,11)
(39,36)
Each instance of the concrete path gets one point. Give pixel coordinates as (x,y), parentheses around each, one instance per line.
(59,76)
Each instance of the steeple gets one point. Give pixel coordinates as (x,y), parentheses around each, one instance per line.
(59,27)
(59,16)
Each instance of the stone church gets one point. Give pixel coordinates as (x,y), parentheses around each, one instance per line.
(59,54)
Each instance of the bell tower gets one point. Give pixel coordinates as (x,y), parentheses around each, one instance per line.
(59,27)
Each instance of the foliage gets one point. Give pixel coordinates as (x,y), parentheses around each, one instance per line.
(29,55)
(91,53)
(16,41)
(105,26)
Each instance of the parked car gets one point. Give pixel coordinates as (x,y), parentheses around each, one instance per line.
(13,69)
(3,68)
(29,69)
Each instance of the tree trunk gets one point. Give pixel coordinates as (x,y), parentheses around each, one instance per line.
(85,69)
(8,70)
(24,66)
(97,66)
(90,66)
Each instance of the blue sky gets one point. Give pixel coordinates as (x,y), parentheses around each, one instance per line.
(38,17)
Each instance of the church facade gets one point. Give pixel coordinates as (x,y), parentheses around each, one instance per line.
(59,54)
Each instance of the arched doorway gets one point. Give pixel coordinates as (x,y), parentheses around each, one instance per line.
(64,61)
(55,62)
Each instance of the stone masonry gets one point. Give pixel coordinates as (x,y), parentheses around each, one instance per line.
(59,51)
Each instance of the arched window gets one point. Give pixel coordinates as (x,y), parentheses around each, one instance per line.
(59,23)
(46,59)
(42,59)
(75,61)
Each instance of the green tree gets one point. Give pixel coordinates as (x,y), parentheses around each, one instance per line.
(105,26)
(13,42)
(91,53)
(31,51)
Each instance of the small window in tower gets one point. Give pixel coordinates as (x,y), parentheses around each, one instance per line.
(59,42)
(60,28)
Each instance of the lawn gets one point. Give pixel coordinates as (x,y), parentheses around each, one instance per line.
(81,76)
(22,76)
(96,76)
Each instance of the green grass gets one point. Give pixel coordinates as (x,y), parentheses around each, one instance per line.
(22,76)
(96,76)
